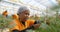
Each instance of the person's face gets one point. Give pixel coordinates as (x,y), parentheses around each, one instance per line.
(24,15)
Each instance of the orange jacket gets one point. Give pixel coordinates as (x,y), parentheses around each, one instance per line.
(19,26)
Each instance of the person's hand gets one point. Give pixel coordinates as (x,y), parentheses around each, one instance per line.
(36,26)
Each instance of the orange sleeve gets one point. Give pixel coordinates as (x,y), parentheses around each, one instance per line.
(31,22)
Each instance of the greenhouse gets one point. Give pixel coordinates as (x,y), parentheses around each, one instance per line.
(47,12)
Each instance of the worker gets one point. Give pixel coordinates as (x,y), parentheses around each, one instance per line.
(22,23)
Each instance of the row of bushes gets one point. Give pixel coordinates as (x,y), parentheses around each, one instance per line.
(49,24)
